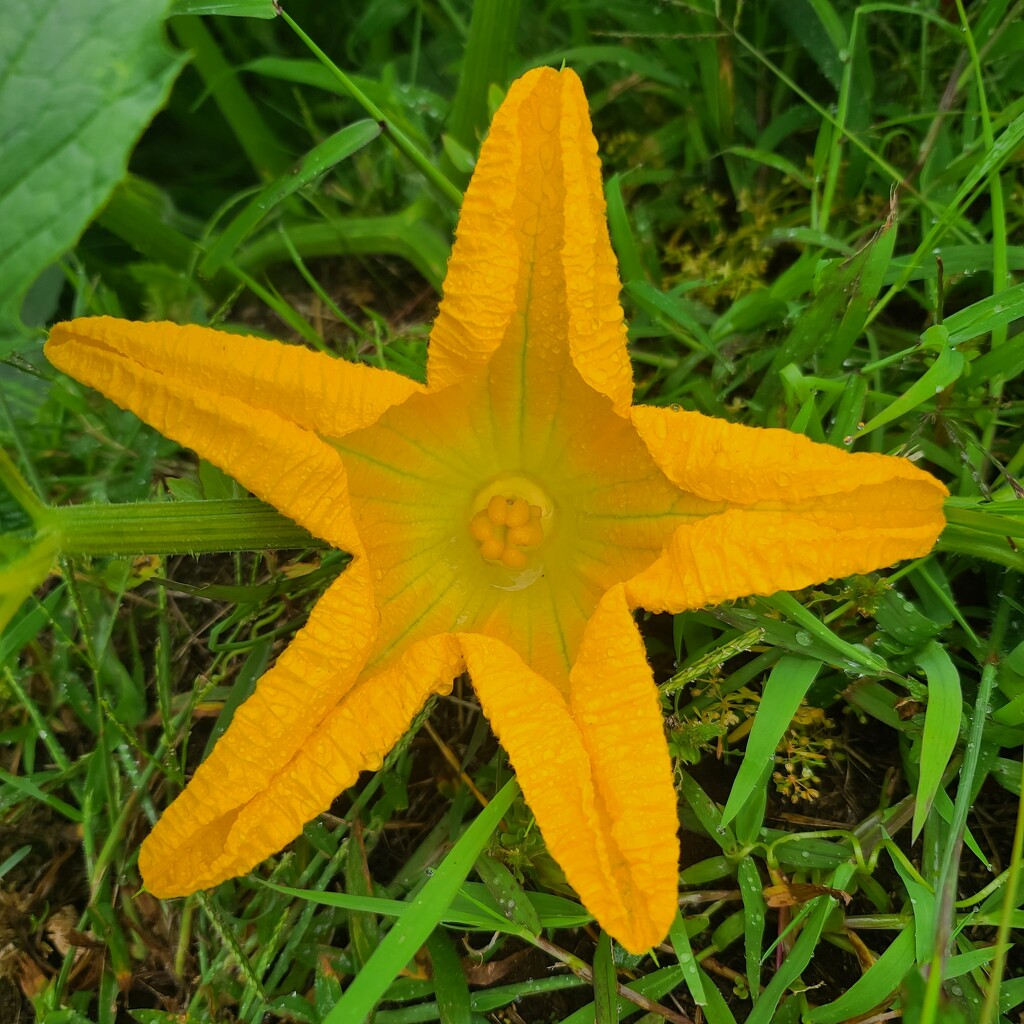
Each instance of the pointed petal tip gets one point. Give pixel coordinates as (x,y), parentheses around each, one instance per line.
(620,859)
(532,264)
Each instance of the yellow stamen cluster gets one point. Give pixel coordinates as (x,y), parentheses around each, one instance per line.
(505,527)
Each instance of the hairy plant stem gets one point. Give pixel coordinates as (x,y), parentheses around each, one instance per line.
(178,527)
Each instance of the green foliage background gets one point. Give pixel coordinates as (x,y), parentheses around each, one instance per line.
(816,206)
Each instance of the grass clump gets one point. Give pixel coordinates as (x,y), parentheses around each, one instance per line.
(813,206)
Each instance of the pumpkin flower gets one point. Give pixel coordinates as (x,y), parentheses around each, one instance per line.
(505,521)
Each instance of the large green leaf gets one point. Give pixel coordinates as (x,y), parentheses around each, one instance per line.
(79,80)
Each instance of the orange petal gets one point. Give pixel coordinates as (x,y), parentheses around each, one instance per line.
(615,704)
(177,380)
(550,754)
(325,395)
(209,834)
(184,851)
(800,512)
(723,461)
(532,263)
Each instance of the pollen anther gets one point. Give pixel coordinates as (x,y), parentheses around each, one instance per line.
(506,528)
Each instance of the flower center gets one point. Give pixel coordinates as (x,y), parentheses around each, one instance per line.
(511,518)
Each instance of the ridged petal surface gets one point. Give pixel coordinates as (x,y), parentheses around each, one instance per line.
(615,704)
(257,409)
(799,512)
(532,259)
(311,389)
(198,841)
(619,868)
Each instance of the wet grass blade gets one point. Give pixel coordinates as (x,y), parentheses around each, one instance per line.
(318,161)
(426,910)
(941,726)
(784,689)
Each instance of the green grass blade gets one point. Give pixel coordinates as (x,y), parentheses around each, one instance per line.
(708,814)
(814,330)
(997,156)
(784,689)
(990,314)
(400,140)
(653,986)
(849,655)
(231,8)
(401,234)
(754,920)
(426,910)
(511,897)
(265,152)
(680,940)
(449,979)
(941,726)
(320,159)
(605,983)
(716,1009)
(485,63)
(630,265)
(881,979)
(814,921)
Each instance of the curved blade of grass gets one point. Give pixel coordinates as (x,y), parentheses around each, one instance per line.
(850,655)
(985,316)
(716,1009)
(400,140)
(653,986)
(785,687)
(449,979)
(707,812)
(469,914)
(404,234)
(552,911)
(779,163)
(320,159)
(956,259)
(752,894)
(948,366)
(871,988)
(818,912)
(941,726)
(684,954)
(605,983)
(232,8)
(422,916)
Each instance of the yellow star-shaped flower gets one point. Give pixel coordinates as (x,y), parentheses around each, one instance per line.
(503,521)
